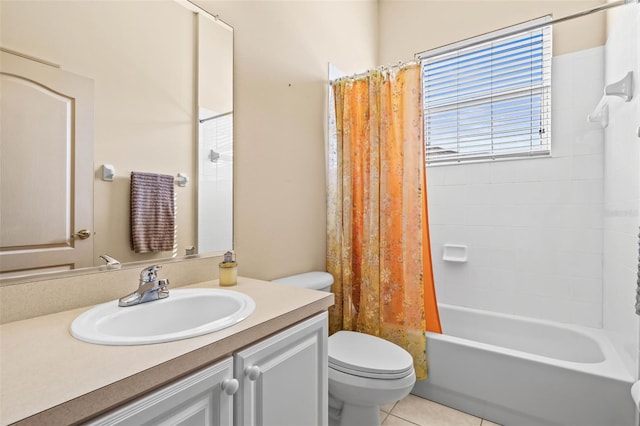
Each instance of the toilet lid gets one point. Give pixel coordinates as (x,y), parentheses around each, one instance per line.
(368,356)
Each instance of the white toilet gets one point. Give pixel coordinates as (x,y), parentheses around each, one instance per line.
(364,371)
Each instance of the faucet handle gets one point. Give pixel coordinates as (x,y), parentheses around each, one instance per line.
(111,262)
(163,288)
(149,275)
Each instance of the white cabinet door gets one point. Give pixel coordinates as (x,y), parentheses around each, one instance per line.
(203,399)
(283,379)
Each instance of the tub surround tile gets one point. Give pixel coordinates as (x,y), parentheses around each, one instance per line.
(503,171)
(586,290)
(589,142)
(550,169)
(587,191)
(622,193)
(588,167)
(539,220)
(582,313)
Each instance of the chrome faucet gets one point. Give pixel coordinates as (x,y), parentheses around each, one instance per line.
(111,262)
(150,288)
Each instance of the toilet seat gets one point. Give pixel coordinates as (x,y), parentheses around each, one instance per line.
(368,356)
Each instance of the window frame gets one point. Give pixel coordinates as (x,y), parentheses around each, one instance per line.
(474,141)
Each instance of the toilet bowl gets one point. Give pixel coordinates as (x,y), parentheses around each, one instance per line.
(364,371)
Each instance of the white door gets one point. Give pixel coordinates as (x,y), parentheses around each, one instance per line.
(201,399)
(46,168)
(283,380)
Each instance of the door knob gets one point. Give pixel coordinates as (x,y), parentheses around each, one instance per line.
(230,386)
(252,373)
(82,234)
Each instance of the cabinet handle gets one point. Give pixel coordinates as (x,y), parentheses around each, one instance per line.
(230,386)
(252,372)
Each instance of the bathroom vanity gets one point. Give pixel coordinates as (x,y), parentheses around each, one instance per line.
(269,368)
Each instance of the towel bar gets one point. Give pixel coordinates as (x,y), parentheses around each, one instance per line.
(109,173)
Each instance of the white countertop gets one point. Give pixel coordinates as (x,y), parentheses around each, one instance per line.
(49,377)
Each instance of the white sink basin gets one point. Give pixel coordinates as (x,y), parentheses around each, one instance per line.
(185,313)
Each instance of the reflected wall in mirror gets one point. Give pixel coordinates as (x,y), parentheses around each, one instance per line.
(158,72)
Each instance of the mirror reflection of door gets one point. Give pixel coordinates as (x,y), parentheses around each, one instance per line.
(46,166)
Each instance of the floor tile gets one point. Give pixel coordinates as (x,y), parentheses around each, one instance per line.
(388,407)
(427,413)
(392,420)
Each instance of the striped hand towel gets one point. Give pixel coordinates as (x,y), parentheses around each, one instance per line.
(153,212)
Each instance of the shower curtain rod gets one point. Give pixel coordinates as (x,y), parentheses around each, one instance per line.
(202,120)
(595,9)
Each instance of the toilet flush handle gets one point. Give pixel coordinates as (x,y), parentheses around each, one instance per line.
(252,372)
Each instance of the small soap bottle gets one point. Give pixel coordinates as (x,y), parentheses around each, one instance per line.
(228,270)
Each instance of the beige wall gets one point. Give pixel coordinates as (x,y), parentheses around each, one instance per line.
(215,65)
(408,27)
(282,49)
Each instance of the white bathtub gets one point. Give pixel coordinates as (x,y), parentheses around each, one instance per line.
(518,371)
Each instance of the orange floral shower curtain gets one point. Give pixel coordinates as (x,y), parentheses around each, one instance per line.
(377,233)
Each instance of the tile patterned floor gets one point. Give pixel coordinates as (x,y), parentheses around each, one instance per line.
(413,410)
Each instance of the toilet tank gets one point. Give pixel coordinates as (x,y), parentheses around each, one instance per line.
(315,280)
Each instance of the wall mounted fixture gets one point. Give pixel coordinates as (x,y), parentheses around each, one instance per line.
(108,172)
(454,253)
(182,179)
(622,89)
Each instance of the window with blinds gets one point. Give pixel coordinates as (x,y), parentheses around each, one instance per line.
(489,97)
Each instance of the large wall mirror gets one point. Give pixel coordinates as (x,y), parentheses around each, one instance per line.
(91,92)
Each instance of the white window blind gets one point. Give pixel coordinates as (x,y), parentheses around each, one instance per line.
(489,97)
